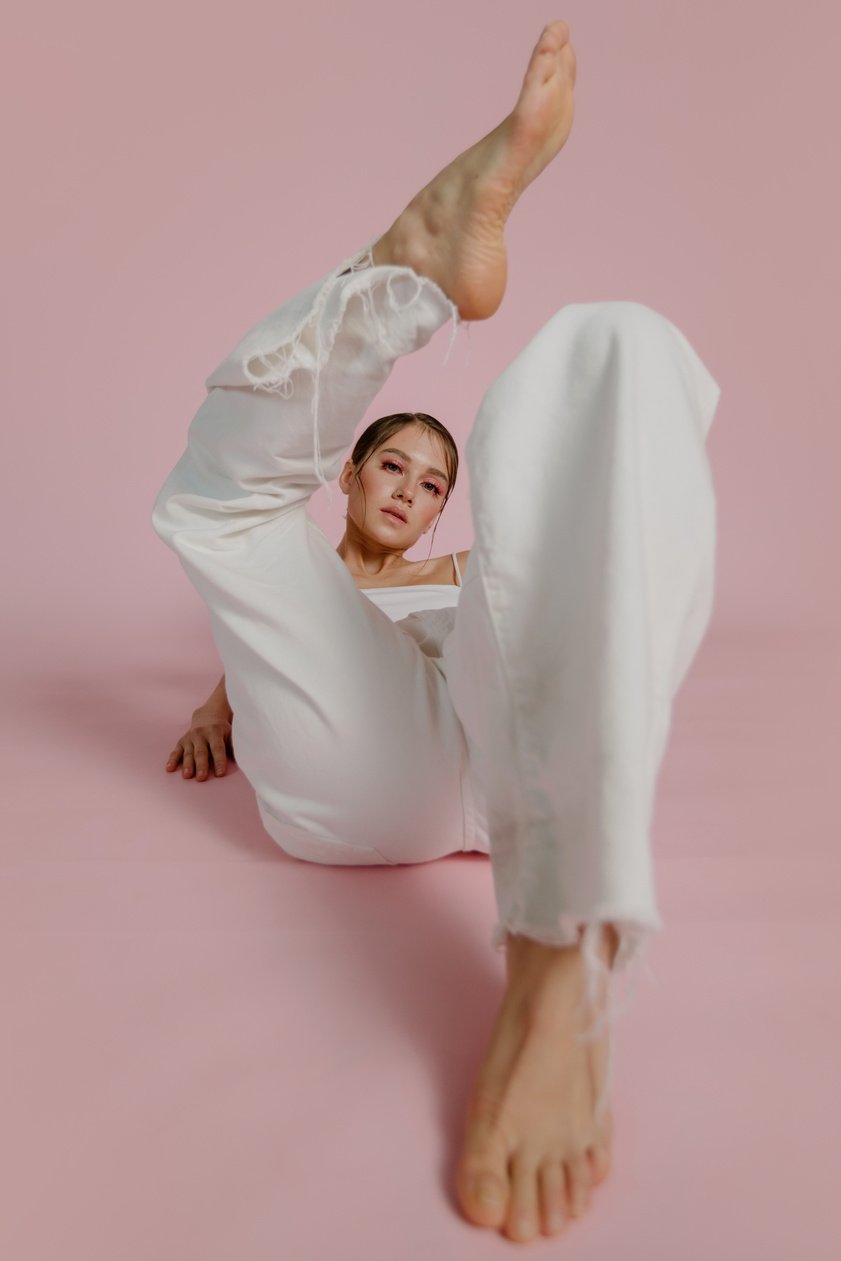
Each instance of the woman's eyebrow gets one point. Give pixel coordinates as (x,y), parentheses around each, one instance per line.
(408,458)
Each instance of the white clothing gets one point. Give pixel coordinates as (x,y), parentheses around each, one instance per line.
(399,602)
(528,721)
(427,613)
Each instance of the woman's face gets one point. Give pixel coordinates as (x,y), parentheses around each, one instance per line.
(405,475)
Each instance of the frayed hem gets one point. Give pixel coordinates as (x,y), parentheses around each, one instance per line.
(276,364)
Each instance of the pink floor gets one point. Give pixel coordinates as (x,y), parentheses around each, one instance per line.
(214,1051)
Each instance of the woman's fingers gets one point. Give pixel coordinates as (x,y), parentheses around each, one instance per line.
(220,759)
(200,754)
(200,748)
(174,759)
(188,768)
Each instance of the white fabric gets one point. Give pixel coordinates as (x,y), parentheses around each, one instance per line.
(400,602)
(538,731)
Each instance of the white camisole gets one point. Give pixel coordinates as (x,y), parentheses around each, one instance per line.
(399,602)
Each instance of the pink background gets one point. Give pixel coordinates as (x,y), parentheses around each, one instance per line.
(206,1041)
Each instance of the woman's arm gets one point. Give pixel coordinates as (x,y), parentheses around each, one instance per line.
(208,737)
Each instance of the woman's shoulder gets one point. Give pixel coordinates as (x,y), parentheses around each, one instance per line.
(440,568)
(442,561)
(462,558)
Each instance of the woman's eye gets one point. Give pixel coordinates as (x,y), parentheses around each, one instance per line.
(388,464)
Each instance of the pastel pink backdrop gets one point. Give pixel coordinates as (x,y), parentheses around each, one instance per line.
(174,173)
(183,1071)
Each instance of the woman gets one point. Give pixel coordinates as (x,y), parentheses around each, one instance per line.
(394,582)
(528,720)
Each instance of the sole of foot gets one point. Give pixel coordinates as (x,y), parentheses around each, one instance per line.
(452,230)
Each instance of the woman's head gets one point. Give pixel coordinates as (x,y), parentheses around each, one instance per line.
(406,462)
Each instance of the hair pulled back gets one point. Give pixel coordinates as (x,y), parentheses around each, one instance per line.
(379,432)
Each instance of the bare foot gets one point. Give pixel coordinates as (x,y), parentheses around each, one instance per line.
(452,231)
(532,1139)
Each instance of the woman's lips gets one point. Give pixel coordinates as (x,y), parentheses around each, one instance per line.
(395,516)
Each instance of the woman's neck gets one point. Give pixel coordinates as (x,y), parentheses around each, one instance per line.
(364,562)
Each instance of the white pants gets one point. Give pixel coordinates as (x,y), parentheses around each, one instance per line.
(539,732)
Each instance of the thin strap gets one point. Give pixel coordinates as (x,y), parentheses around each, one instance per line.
(458,571)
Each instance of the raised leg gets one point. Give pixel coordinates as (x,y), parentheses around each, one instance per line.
(570,814)
(280,414)
(587,593)
(319,678)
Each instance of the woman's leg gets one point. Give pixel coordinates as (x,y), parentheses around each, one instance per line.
(586,596)
(343,726)
(531,1122)
(587,593)
(341,723)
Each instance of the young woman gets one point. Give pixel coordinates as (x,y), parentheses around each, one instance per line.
(523,713)
(382,470)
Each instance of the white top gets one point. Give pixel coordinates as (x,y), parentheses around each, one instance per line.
(399,602)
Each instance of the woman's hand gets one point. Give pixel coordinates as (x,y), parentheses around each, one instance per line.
(207,741)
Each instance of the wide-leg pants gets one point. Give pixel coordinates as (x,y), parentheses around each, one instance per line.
(538,733)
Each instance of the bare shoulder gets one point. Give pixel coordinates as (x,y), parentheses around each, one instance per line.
(443,567)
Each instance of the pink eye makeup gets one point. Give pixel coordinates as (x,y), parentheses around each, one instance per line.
(393,464)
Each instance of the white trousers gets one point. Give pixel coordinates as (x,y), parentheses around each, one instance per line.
(538,734)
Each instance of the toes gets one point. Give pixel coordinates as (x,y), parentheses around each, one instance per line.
(551,49)
(523,1220)
(482,1178)
(556,33)
(579,1184)
(600,1152)
(552,1197)
(600,1163)
(483,1195)
(572,64)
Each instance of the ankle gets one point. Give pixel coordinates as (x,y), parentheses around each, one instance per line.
(382,253)
(529,962)
(402,246)
(524,954)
